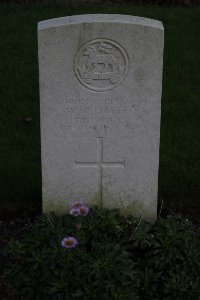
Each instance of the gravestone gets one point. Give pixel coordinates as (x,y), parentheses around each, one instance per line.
(100,95)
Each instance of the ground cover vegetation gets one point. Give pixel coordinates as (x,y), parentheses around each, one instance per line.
(98,254)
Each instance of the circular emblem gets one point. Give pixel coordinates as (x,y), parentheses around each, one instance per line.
(101,65)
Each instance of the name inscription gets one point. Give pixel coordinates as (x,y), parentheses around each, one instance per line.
(94,115)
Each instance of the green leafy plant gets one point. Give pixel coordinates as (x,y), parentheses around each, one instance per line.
(98,254)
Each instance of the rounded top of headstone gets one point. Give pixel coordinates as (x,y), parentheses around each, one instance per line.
(99,18)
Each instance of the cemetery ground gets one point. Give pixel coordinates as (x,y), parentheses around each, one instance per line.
(20,176)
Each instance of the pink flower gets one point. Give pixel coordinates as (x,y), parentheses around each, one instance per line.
(79,209)
(69,242)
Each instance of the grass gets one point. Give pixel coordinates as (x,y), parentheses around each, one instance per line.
(20,176)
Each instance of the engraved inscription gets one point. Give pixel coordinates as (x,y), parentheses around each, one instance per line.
(100,164)
(101,65)
(99,114)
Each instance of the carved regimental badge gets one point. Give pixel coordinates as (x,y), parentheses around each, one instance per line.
(101,65)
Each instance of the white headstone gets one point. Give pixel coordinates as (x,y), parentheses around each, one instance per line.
(100,90)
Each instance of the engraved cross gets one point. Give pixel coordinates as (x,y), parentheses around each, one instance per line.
(100,164)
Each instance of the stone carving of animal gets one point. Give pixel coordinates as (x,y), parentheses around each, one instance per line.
(96,58)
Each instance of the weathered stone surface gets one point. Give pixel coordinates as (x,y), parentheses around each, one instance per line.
(100,90)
